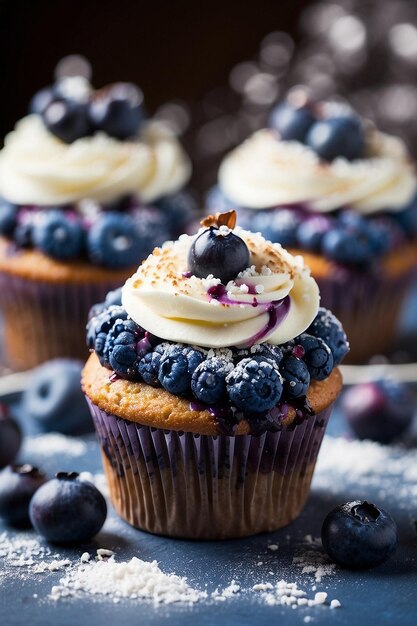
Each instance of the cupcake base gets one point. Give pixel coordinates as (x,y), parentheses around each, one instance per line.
(188,485)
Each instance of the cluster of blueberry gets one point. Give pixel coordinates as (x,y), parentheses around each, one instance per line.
(331,130)
(252,380)
(71,109)
(115,239)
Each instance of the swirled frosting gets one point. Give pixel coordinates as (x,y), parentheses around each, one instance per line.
(275,300)
(37,168)
(265,172)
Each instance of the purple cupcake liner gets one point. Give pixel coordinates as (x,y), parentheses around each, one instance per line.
(43,320)
(182,484)
(368,306)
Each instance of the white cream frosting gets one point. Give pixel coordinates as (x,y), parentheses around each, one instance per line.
(164,300)
(38,168)
(265,172)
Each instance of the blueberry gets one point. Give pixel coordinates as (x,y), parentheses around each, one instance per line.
(10,437)
(148,366)
(114,297)
(219,254)
(384,233)
(264,350)
(18,483)
(179,209)
(125,335)
(277,225)
(359,535)
(342,246)
(173,373)
(102,323)
(41,100)
(153,228)
(53,398)
(254,385)
(310,233)
(296,376)
(407,219)
(23,235)
(118,110)
(68,509)
(208,382)
(67,120)
(327,327)
(8,218)
(114,243)
(292,123)
(317,356)
(382,410)
(58,236)
(337,137)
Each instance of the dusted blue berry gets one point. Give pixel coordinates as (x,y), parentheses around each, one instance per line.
(337,137)
(103,322)
(23,235)
(68,509)
(277,225)
(220,254)
(148,366)
(292,123)
(173,372)
(194,358)
(359,535)
(53,398)
(113,241)
(118,110)
(114,298)
(8,218)
(310,233)
(381,410)
(126,333)
(343,246)
(123,360)
(100,343)
(208,382)
(67,120)
(18,483)
(178,209)
(317,356)
(254,385)
(153,228)
(327,327)
(296,376)
(58,236)
(263,350)
(10,437)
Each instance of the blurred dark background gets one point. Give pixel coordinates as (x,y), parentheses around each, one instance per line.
(213,70)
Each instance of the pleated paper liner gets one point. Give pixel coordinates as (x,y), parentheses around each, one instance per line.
(45,320)
(208,487)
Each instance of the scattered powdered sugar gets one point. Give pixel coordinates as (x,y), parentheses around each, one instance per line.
(391,470)
(311,559)
(24,550)
(134,579)
(53,444)
(285,593)
(228,592)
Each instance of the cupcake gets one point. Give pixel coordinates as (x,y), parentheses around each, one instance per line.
(88,187)
(327,185)
(210,384)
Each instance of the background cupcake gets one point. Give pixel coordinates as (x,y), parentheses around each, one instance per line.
(88,186)
(322,182)
(211,384)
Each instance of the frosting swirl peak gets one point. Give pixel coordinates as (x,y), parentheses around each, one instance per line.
(274,300)
(37,168)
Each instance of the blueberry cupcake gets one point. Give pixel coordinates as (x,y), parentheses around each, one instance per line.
(88,187)
(210,384)
(324,183)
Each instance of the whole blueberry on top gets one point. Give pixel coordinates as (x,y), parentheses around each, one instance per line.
(41,100)
(67,120)
(18,483)
(359,535)
(337,137)
(68,509)
(218,251)
(381,410)
(10,437)
(118,110)
(291,121)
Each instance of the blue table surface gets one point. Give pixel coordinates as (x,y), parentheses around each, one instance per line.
(386,595)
